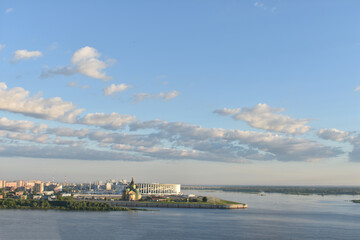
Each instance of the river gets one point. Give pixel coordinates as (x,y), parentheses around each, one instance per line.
(269,216)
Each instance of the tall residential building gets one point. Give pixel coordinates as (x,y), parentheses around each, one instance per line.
(20,183)
(39,187)
(98,182)
(2,183)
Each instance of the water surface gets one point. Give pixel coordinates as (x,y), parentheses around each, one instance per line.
(273,216)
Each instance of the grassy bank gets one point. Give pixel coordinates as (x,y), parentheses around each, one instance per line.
(69,205)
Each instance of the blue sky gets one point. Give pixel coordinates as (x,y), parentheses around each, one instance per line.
(207,92)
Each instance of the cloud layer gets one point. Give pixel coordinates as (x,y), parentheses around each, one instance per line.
(18,100)
(117,136)
(262,116)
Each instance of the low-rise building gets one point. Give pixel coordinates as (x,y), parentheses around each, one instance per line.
(12,184)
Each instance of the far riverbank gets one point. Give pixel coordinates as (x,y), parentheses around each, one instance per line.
(293,190)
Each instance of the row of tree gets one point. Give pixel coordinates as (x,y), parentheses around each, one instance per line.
(10,203)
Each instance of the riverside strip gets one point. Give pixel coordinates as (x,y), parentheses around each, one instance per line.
(69,205)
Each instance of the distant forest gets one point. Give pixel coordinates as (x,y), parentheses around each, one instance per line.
(295,190)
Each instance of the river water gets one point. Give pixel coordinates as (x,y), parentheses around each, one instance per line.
(271,216)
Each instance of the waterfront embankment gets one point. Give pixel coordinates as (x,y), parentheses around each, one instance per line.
(179,205)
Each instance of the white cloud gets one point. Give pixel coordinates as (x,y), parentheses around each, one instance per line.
(2,46)
(21,125)
(112,89)
(227,111)
(165,96)
(68,132)
(24,136)
(109,121)
(342,136)
(357,89)
(61,152)
(69,142)
(74,84)
(170,95)
(259,4)
(25,54)
(333,134)
(9,10)
(265,117)
(18,100)
(84,61)
(121,147)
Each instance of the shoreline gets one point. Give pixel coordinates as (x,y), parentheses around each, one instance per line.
(175,205)
(182,205)
(289,190)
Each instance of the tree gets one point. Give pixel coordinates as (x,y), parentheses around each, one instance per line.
(204,199)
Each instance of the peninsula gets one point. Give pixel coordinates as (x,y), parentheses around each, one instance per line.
(111,196)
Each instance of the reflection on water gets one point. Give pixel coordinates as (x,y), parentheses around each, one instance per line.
(273,216)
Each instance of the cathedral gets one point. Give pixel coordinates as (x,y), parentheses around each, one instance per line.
(131,192)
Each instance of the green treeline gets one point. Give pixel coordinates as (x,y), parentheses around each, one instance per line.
(71,205)
(301,190)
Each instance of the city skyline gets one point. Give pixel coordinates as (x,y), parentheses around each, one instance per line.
(206,92)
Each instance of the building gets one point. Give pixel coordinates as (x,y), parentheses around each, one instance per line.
(20,183)
(2,183)
(39,187)
(131,192)
(108,186)
(30,184)
(159,189)
(12,185)
(120,187)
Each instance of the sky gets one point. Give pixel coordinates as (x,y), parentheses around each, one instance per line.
(190,92)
